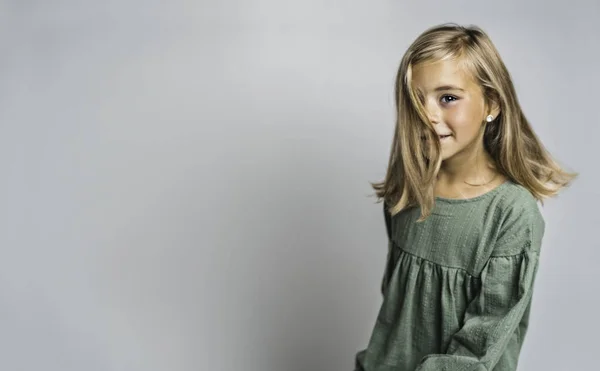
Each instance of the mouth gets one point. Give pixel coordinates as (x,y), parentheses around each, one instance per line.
(442,137)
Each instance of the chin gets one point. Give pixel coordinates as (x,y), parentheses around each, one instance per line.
(446,155)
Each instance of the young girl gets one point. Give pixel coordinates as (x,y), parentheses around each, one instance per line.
(460,199)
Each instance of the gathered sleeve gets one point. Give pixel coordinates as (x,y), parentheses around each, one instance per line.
(387,270)
(493,316)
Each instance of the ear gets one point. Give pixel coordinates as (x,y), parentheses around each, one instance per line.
(493,108)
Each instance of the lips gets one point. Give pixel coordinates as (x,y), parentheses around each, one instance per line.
(441,136)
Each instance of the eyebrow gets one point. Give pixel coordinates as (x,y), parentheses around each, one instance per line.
(443,88)
(448,87)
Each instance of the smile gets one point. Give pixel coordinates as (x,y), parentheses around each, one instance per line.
(442,137)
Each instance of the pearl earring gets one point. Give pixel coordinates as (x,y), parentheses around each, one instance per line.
(489,118)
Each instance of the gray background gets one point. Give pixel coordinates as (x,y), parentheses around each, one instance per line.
(185,184)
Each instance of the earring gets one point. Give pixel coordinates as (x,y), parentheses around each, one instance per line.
(489,118)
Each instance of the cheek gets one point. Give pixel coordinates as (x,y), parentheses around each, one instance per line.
(462,121)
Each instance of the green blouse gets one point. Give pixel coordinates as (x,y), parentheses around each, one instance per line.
(457,288)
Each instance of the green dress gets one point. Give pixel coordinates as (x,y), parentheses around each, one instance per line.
(457,288)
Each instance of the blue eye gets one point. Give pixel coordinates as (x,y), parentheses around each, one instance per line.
(449,96)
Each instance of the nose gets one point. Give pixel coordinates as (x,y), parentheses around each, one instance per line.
(433,112)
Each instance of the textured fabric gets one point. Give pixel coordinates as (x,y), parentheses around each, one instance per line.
(457,288)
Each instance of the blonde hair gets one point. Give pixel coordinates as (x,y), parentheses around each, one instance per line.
(509,138)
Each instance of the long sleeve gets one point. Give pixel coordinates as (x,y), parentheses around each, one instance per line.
(388,226)
(495,315)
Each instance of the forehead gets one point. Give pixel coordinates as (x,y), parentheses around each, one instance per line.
(428,76)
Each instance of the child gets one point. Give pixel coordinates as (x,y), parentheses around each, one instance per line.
(460,202)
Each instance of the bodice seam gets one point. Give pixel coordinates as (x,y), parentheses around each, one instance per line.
(433,262)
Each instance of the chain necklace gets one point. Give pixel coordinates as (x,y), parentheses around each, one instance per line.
(479,185)
(476,185)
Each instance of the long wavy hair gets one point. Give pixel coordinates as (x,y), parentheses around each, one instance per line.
(515,149)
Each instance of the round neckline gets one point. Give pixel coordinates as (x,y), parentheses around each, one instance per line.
(476,198)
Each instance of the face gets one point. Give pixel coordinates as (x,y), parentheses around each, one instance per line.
(455,106)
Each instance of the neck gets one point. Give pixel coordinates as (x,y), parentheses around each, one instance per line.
(475,167)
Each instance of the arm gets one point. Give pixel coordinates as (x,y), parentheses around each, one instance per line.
(492,317)
(388,226)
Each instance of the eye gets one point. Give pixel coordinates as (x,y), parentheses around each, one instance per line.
(452,97)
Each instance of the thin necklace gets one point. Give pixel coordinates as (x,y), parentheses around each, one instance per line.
(475,185)
(479,185)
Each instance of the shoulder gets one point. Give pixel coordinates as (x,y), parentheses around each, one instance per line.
(516,200)
(520,221)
